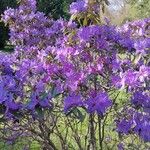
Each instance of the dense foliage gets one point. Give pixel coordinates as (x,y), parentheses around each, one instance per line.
(67,79)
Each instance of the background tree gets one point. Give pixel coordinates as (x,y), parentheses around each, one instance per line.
(123,11)
(142,7)
(56,8)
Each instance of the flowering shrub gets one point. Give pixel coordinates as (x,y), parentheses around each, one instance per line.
(63,73)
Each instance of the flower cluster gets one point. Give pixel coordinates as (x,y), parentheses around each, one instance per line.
(83,64)
(26,69)
(136,78)
(78,7)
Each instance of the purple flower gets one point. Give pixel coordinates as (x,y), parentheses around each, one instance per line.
(116,65)
(71,102)
(78,7)
(142,127)
(8,14)
(84,34)
(95,30)
(99,103)
(102,44)
(145,132)
(116,81)
(33,101)
(45,100)
(72,24)
(144,72)
(124,126)
(44,103)
(39,100)
(138,99)
(130,78)
(30,4)
(31,105)
(6,69)
(3,93)
(141,45)
(10,104)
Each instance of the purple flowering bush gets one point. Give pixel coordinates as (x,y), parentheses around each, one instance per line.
(75,87)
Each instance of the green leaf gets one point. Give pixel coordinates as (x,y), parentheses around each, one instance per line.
(40,112)
(79,114)
(85,22)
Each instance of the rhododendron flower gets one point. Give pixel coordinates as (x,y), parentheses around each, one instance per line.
(33,102)
(8,14)
(116,81)
(3,93)
(98,104)
(137,99)
(145,132)
(144,72)
(71,102)
(39,100)
(12,105)
(140,46)
(142,127)
(31,4)
(83,34)
(130,78)
(124,126)
(78,7)
(140,99)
